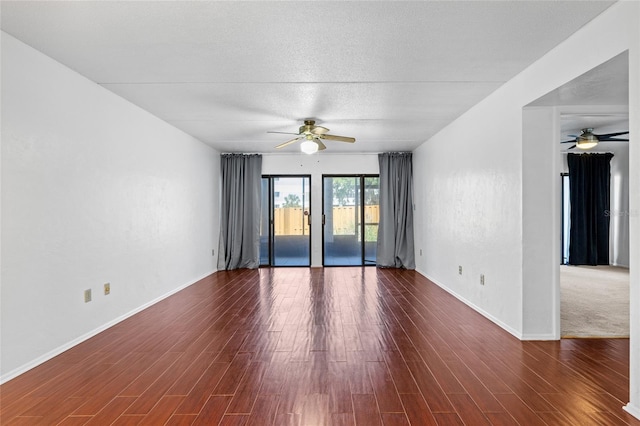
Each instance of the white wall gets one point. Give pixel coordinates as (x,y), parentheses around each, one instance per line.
(316,165)
(94,190)
(473,190)
(468,211)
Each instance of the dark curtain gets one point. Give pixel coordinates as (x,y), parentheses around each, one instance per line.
(239,244)
(589,179)
(395,231)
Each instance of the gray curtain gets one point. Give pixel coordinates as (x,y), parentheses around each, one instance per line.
(395,232)
(240,211)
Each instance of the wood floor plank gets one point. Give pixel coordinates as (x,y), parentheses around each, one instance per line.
(264,410)
(150,375)
(213,410)
(519,410)
(57,413)
(162,411)
(384,388)
(400,373)
(430,388)
(234,420)
(181,420)
(74,420)
(233,375)
(332,346)
(394,419)
(365,410)
(315,409)
(480,395)
(448,419)
(248,389)
(201,391)
(505,419)
(293,391)
(190,375)
(112,410)
(339,389)
(128,420)
(99,396)
(342,419)
(467,410)
(417,410)
(359,379)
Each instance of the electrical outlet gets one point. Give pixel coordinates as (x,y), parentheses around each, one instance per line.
(481,279)
(107,289)
(87,295)
(459,270)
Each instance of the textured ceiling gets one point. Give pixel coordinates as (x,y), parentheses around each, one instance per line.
(390,74)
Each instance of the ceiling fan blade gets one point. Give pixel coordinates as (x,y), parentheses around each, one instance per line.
(571,147)
(608,135)
(319,130)
(282,145)
(285,133)
(321,146)
(569,141)
(612,140)
(338,138)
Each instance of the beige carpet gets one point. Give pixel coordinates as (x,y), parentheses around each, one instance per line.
(594,301)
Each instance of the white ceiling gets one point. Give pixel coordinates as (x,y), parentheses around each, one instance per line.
(391,74)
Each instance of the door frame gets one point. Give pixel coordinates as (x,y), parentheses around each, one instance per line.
(362,215)
(563,218)
(270,236)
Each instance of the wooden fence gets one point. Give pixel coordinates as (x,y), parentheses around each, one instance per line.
(292,221)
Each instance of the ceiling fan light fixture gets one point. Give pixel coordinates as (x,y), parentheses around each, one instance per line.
(309,147)
(587,141)
(312,137)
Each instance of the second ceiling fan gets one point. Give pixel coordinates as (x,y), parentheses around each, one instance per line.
(587,139)
(312,137)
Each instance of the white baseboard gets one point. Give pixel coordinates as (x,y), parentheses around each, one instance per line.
(634,411)
(57,351)
(482,312)
(620,265)
(539,337)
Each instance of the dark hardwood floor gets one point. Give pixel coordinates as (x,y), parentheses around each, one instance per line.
(333,346)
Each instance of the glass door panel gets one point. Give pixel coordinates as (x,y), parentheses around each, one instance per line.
(350,211)
(265,223)
(291,231)
(371,218)
(341,221)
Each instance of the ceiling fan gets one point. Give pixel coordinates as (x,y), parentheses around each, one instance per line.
(312,136)
(587,139)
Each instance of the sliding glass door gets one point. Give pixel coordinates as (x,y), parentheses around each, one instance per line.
(285,235)
(350,220)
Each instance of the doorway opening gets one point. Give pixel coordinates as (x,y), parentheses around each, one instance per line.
(350,217)
(285,224)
